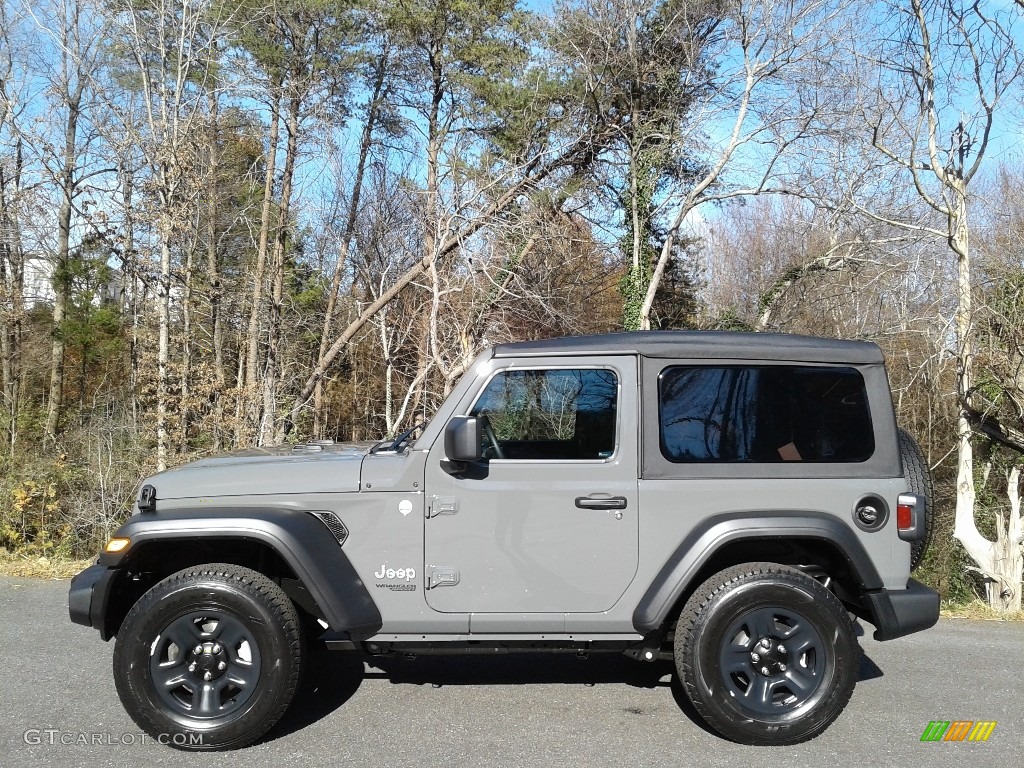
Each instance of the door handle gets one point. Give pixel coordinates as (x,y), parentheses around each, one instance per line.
(601,502)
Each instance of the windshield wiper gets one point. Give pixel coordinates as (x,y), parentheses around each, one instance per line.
(397,443)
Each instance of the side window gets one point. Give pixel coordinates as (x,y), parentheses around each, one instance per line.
(564,413)
(764,414)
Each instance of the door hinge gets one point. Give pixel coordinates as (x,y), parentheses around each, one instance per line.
(441,576)
(442,505)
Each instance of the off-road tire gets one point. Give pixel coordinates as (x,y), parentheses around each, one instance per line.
(809,662)
(919,478)
(188,626)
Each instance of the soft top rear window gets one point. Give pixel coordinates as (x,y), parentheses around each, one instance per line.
(764,414)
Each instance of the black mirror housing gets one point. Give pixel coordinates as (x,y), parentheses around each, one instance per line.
(463,439)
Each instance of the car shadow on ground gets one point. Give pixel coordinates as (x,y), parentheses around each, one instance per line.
(520,669)
(867,669)
(328,681)
(331,679)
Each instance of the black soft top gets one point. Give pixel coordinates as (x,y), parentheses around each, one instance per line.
(701,345)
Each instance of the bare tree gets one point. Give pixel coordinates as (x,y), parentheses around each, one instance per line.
(784,264)
(749,116)
(943,77)
(466,187)
(995,408)
(302,69)
(12,252)
(1009,544)
(644,65)
(172,49)
(72,30)
(374,114)
(216,288)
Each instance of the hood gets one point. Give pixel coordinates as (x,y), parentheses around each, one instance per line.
(309,468)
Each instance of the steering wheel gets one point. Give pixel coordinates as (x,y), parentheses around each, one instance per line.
(491,437)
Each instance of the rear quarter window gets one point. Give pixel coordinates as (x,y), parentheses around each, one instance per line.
(764,414)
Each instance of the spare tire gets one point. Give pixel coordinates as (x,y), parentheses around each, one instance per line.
(919,478)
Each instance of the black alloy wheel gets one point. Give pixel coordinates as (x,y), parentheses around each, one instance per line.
(209,658)
(766,654)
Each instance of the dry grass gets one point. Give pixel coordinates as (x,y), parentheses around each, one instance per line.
(24,566)
(979,611)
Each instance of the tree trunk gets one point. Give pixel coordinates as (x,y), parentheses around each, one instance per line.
(414,396)
(55,401)
(130,286)
(61,279)
(164,342)
(165,229)
(185,408)
(213,269)
(1009,551)
(964,528)
(365,143)
(635,286)
(248,390)
(431,214)
(12,262)
(269,429)
(389,376)
(999,561)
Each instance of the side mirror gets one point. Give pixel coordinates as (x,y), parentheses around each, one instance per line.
(463,439)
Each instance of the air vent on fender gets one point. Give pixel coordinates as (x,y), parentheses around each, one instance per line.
(334,525)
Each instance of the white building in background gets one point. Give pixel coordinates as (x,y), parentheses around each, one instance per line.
(38,286)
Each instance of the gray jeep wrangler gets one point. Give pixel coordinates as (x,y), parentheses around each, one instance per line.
(728,501)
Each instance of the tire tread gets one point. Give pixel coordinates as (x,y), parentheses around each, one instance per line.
(258,587)
(919,478)
(694,615)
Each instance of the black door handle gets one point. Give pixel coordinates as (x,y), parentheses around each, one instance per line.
(601,502)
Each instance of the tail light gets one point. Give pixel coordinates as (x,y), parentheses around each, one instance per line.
(910,514)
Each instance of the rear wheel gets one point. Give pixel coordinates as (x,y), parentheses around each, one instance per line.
(766,654)
(209,658)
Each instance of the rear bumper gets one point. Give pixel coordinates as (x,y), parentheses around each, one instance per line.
(89,595)
(896,613)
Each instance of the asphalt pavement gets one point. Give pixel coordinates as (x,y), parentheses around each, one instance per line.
(58,706)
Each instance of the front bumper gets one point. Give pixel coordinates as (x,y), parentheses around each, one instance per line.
(89,597)
(896,613)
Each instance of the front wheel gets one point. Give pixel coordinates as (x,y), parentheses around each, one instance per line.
(209,658)
(766,654)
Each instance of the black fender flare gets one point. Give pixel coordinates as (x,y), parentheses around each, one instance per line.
(298,537)
(715,532)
